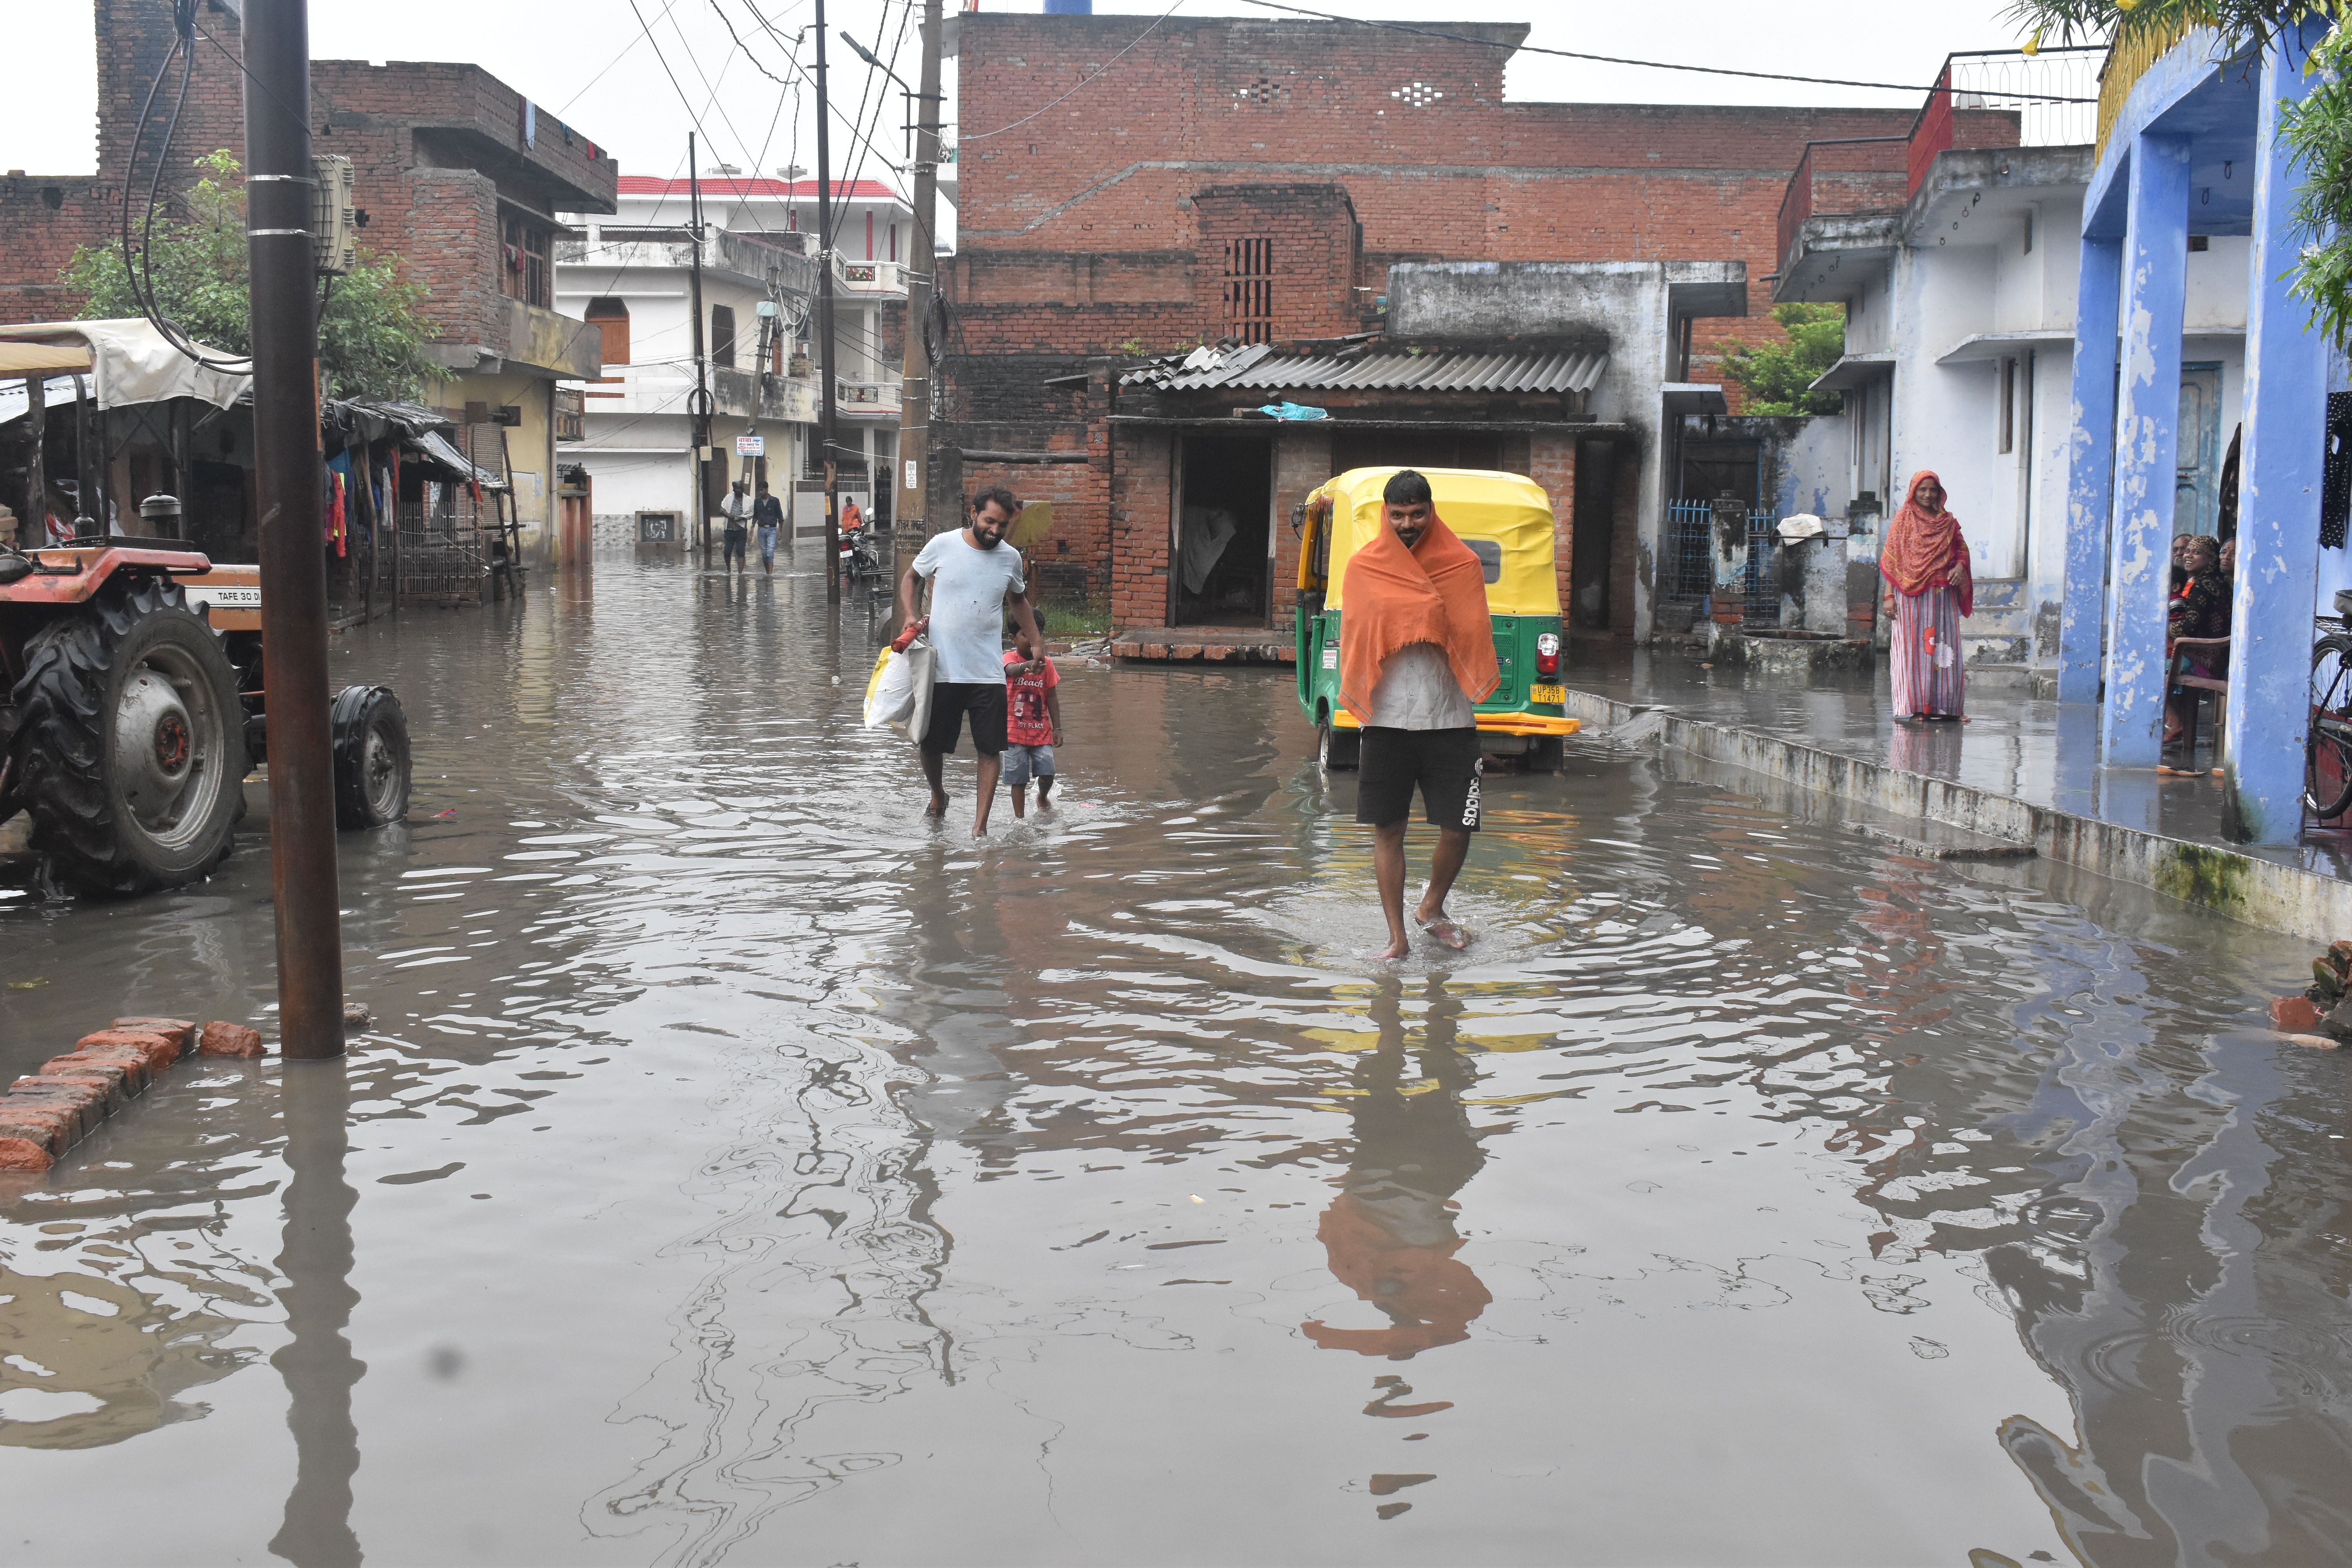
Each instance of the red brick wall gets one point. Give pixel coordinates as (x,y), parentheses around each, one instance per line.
(1551,463)
(44,219)
(1309,236)
(1142,489)
(395,122)
(1302,460)
(1205,103)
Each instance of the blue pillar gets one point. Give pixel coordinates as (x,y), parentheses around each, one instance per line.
(2278,495)
(2156,262)
(2091,465)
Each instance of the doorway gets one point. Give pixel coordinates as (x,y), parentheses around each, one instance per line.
(1223,573)
(1592,543)
(2197,485)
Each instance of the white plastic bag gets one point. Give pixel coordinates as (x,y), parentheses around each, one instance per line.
(899,693)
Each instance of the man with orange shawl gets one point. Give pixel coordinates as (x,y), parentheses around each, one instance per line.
(1925,563)
(1416,658)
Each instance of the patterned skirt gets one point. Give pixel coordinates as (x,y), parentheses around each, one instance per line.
(1929,675)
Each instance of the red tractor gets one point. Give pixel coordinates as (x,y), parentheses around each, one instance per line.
(133,711)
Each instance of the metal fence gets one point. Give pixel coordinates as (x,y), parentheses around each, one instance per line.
(1689,575)
(441,554)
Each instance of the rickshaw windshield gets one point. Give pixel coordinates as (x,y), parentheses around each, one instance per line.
(1505,518)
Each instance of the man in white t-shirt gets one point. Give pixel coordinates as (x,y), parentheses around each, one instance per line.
(975,574)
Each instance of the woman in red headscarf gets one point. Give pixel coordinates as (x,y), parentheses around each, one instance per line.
(1925,563)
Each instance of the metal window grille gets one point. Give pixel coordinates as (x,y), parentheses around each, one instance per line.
(1249,290)
(1689,576)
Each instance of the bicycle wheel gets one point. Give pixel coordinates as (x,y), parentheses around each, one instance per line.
(2327,746)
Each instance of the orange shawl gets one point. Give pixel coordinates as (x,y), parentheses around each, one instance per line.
(1434,593)
(1923,551)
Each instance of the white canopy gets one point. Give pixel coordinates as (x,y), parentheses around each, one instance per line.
(132,362)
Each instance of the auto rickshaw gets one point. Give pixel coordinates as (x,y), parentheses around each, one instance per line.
(1506,519)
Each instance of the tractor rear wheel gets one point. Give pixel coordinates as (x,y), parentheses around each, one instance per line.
(130,742)
(371,767)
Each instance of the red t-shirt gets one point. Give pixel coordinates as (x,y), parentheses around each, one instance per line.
(1026,721)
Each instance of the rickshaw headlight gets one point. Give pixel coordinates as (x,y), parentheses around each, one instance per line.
(1547,654)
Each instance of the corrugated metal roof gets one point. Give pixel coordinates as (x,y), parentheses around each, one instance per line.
(1259,368)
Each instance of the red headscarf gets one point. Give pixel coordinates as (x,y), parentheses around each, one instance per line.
(1924,551)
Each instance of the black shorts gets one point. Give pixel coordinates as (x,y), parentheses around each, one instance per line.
(1445,764)
(950,701)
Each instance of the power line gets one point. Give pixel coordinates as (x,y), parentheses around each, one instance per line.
(799,69)
(616,59)
(1599,59)
(1089,81)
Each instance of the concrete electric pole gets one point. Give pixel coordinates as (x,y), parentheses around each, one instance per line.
(826,410)
(915,396)
(289,473)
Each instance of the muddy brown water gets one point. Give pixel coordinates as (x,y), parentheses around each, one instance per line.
(742,1170)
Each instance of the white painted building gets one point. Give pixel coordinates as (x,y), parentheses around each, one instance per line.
(629,274)
(1960,314)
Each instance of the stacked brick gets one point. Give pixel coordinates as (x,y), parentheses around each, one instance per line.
(47,1113)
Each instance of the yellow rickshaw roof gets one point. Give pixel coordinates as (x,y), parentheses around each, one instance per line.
(1508,511)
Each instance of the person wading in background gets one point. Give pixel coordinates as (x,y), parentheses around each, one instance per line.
(1416,658)
(767,517)
(975,574)
(737,509)
(1925,563)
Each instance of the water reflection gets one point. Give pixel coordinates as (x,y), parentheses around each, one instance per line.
(1389,1235)
(316,1360)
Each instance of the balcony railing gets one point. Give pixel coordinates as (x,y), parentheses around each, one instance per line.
(2127,61)
(2000,98)
(866,397)
(870,276)
(2055,93)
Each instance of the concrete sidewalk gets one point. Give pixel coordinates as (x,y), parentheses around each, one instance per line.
(2023,769)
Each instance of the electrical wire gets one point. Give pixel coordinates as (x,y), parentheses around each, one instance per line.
(139,271)
(616,59)
(1100,72)
(798,68)
(1599,59)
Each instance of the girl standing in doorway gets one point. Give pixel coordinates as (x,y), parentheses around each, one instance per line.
(1925,563)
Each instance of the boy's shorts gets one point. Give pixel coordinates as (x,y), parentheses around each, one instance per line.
(1023,762)
(1444,763)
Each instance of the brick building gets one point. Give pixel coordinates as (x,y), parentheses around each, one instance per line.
(1257,180)
(458,175)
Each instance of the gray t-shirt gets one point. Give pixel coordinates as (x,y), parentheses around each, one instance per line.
(967,592)
(1417,691)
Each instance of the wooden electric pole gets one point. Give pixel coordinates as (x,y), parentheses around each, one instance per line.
(287,473)
(827,388)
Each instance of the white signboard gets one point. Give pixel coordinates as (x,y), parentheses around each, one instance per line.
(751,446)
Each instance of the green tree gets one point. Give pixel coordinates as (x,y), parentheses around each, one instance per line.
(2318,129)
(370,339)
(1778,377)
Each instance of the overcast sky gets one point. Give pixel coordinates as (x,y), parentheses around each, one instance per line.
(589,62)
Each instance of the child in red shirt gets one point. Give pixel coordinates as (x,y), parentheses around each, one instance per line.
(1033,723)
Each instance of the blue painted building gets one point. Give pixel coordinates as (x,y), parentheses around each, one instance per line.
(2188,149)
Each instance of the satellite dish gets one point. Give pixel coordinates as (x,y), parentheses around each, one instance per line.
(1029,529)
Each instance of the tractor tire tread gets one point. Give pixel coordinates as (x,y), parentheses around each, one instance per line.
(60,747)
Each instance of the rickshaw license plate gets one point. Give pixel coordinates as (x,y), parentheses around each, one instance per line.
(1541,693)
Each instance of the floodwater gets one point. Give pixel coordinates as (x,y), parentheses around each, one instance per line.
(743,1170)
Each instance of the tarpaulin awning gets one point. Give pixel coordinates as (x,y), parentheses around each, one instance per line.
(132,362)
(435,449)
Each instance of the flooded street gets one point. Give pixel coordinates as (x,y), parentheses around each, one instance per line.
(741,1169)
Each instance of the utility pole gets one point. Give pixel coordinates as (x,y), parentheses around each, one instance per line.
(915,400)
(826,385)
(287,473)
(698,406)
